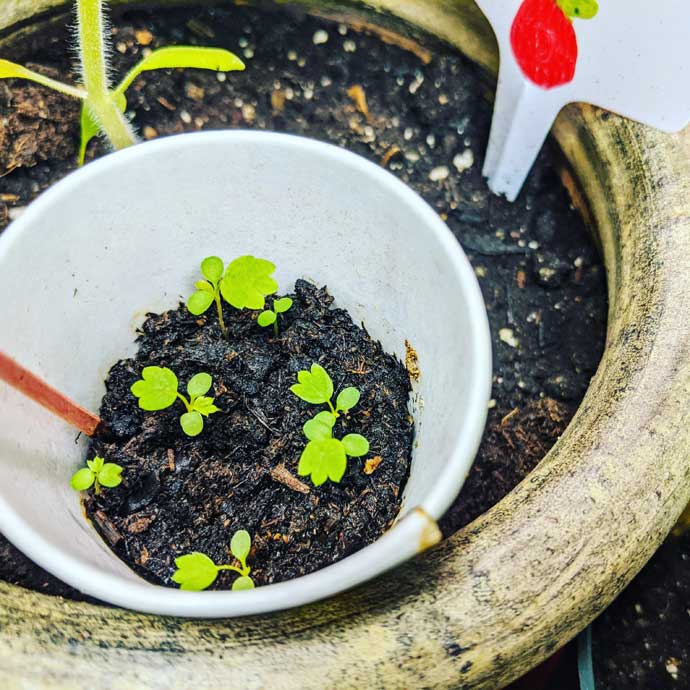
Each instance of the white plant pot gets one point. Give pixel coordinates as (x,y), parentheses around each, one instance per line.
(125,235)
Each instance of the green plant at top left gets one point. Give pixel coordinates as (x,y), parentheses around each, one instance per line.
(104,106)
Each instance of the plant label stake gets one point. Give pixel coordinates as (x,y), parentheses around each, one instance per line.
(44,394)
(630,57)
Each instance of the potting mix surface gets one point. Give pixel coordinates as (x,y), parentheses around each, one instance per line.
(182,494)
(419,109)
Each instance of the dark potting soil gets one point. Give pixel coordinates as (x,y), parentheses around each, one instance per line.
(182,494)
(426,119)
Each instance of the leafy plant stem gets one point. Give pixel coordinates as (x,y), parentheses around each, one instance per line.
(93,52)
(333,410)
(275,326)
(186,402)
(241,571)
(221,321)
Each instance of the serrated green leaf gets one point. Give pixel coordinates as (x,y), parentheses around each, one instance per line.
(157,389)
(199,302)
(240,544)
(313,386)
(280,306)
(82,479)
(323,460)
(212,268)
(195,572)
(247,281)
(173,57)
(347,399)
(199,384)
(355,445)
(110,475)
(266,318)
(204,406)
(192,423)
(243,582)
(96,464)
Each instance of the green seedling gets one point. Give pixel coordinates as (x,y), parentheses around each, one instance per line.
(103,107)
(270,316)
(97,473)
(325,457)
(158,389)
(196,571)
(316,387)
(208,291)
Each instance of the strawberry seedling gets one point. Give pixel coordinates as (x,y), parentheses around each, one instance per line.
(325,457)
(158,389)
(97,473)
(208,291)
(316,387)
(196,571)
(103,107)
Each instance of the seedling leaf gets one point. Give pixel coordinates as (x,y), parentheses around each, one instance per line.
(243,582)
(212,268)
(266,318)
(320,427)
(203,285)
(323,460)
(347,399)
(247,281)
(195,572)
(199,385)
(192,423)
(157,388)
(200,301)
(240,545)
(282,305)
(82,479)
(205,406)
(355,445)
(314,386)
(110,475)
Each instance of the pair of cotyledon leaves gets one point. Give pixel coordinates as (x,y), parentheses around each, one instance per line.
(158,389)
(244,284)
(196,571)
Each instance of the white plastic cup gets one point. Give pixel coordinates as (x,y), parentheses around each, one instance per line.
(125,235)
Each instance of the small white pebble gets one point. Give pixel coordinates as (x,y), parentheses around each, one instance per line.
(15,212)
(369,133)
(308,93)
(443,99)
(522,243)
(463,161)
(638,609)
(289,93)
(320,37)
(292,55)
(492,404)
(439,174)
(508,337)
(243,42)
(238,102)
(672,667)
(411,156)
(342,29)
(408,134)
(301,62)
(221,77)
(533,244)
(326,81)
(121,47)
(416,83)
(185,117)
(579,262)
(248,53)
(480,271)
(349,46)
(431,141)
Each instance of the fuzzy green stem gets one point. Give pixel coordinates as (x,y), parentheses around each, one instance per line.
(92,51)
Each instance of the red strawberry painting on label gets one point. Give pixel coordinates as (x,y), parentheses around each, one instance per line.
(543,39)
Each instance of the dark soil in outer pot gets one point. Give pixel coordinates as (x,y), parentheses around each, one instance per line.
(422,111)
(182,494)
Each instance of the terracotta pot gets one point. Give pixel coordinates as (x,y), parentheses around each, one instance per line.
(499,596)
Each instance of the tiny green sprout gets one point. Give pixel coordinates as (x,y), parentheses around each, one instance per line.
(325,457)
(158,389)
(316,387)
(270,316)
(104,106)
(97,473)
(247,281)
(196,571)
(208,291)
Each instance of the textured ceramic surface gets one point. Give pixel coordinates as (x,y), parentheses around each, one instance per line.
(502,594)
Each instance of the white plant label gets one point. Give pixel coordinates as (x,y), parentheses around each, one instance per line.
(628,56)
